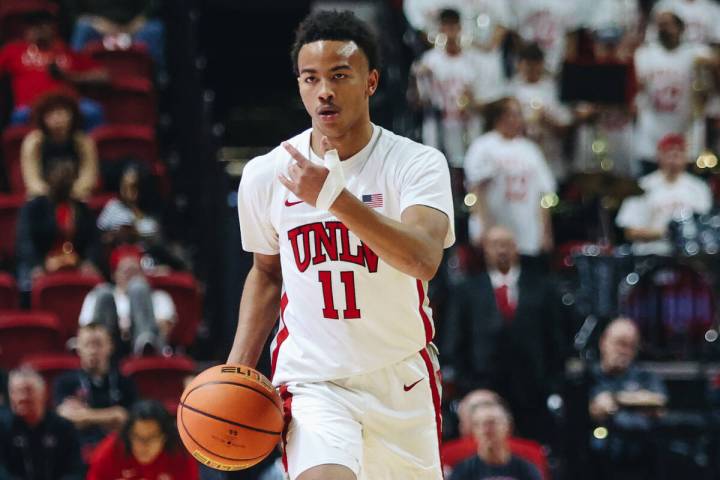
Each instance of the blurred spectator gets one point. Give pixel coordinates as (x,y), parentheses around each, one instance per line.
(547,23)
(492,424)
(504,330)
(508,174)
(445,79)
(36,444)
(666,102)
(485,21)
(141,315)
(626,399)
(96,398)
(41,63)
(58,137)
(669,192)
(4,399)
(131,218)
(546,119)
(119,24)
(55,231)
(701,19)
(147,448)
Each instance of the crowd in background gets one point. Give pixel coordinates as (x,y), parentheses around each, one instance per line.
(581,137)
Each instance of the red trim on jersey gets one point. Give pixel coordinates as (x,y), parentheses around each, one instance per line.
(281,336)
(286,398)
(426,320)
(432,378)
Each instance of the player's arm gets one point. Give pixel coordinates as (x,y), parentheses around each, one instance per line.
(259,307)
(413,245)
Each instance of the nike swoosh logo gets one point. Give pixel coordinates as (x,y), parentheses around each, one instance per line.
(288,203)
(410,387)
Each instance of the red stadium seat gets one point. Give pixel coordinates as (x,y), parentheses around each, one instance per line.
(8,292)
(63,293)
(9,209)
(455,451)
(184,290)
(159,378)
(50,366)
(128,101)
(23,333)
(116,142)
(133,61)
(12,139)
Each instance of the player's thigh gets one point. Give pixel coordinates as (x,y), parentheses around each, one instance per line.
(322,431)
(402,428)
(328,472)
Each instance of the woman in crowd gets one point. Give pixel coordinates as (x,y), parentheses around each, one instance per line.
(146,448)
(58,135)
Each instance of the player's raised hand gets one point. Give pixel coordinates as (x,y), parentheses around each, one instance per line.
(305,179)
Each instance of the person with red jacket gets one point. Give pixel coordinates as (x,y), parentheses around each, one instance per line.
(41,62)
(147,448)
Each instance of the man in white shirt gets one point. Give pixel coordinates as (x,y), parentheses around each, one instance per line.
(445,79)
(130,308)
(509,176)
(665,73)
(701,19)
(347,222)
(546,118)
(668,191)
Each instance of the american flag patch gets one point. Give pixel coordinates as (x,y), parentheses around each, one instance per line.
(374,200)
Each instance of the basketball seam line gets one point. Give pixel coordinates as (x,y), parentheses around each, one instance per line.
(225,382)
(209,415)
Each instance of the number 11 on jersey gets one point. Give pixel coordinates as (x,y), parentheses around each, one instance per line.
(348,279)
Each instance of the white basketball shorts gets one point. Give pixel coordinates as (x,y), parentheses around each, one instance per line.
(382,425)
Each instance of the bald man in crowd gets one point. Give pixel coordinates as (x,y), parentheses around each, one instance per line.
(504,331)
(624,399)
(36,444)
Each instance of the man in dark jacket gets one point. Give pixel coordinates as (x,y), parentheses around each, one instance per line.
(504,332)
(36,444)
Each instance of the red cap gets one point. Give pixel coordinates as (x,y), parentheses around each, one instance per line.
(671,140)
(124,251)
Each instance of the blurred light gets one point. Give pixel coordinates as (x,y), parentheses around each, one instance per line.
(463,101)
(711,335)
(441,40)
(607,164)
(599,146)
(483,20)
(632,278)
(706,159)
(470,199)
(535,104)
(600,433)
(549,200)
(555,402)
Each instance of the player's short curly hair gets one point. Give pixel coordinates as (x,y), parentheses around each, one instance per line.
(334,25)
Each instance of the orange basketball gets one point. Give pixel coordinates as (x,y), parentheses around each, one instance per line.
(230,417)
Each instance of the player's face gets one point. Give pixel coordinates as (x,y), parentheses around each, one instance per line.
(531,70)
(451,31)
(335,85)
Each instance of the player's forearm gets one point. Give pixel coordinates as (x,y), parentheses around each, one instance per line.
(404,247)
(643,234)
(259,307)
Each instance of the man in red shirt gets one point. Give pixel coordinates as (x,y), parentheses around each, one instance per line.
(42,62)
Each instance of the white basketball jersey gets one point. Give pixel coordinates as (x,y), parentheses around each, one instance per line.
(344,311)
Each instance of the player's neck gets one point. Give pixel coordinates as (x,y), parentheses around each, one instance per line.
(347,144)
(494,454)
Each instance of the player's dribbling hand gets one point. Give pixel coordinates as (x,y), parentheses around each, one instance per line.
(305,179)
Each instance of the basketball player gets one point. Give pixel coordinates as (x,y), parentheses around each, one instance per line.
(347,222)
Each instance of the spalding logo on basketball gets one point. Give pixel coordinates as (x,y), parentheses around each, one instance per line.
(230,417)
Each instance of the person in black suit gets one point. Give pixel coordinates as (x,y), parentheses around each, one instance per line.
(504,332)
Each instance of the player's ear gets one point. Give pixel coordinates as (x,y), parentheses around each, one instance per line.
(372,83)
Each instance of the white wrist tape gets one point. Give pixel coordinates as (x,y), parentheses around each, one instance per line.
(334,183)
